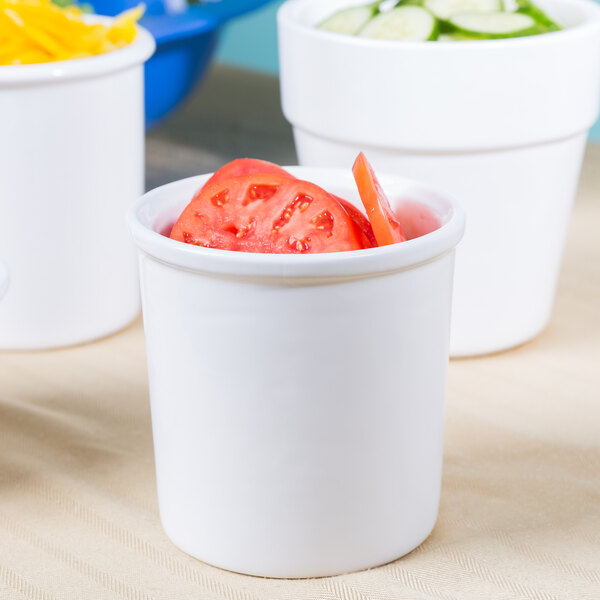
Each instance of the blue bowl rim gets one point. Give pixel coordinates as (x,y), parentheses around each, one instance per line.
(197,19)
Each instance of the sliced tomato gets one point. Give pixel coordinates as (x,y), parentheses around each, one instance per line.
(386,226)
(249,166)
(360,220)
(246,166)
(267,213)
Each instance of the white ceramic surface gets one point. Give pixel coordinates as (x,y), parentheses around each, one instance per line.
(501,125)
(71,161)
(297,401)
(3,279)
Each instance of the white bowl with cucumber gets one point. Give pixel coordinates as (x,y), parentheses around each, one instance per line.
(499,122)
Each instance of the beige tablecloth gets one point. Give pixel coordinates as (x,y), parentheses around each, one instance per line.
(520,511)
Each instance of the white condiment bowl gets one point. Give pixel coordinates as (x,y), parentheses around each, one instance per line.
(3,279)
(71,160)
(501,125)
(297,400)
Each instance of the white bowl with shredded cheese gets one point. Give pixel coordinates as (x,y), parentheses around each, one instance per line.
(71,160)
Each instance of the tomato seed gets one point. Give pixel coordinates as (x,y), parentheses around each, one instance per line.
(299,245)
(188,238)
(242,230)
(324,221)
(301,202)
(261,192)
(221,198)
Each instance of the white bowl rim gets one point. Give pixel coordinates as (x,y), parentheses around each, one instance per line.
(286,15)
(357,263)
(140,50)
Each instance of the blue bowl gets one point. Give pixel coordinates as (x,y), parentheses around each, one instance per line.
(185,43)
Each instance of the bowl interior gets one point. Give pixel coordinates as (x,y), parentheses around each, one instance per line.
(153,215)
(160,216)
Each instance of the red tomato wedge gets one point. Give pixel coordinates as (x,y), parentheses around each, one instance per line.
(249,166)
(360,220)
(246,166)
(267,213)
(386,227)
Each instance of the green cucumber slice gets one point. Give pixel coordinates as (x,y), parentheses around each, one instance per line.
(405,23)
(496,25)
(349,21)
(444,9)
(385,5)
(526,7)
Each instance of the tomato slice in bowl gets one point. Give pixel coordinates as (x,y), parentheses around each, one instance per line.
(361,222)
(267,213)
(249,166)
(246,166)
(386,226)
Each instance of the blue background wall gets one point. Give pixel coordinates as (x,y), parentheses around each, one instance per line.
(251,42)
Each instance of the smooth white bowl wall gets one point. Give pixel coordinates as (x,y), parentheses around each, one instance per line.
(297,401)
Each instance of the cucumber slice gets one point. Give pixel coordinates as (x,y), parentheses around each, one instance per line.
(349,21)
(526,7)
(406,23)
(386,5)
(495,25)
(444,9)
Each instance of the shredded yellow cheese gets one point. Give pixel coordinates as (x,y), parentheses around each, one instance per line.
(38,31)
